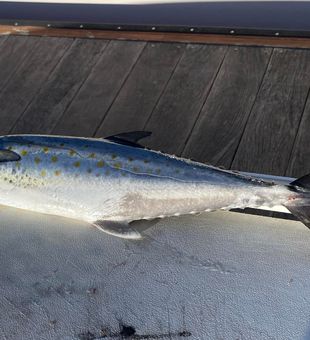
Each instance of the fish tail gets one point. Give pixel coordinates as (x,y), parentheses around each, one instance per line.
(299,205)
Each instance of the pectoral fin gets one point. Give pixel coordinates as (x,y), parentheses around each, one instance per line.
(9,156)
(127,230)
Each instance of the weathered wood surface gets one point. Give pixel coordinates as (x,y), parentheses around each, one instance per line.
(240,107)
(100,89)
(142,90)
(61,87)
(223,118)
(192,79)
(269,135)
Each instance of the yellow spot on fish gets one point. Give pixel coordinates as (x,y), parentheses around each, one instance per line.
(113,156)
(146,161)
(43,173)
(117,165)
(100,164)
(57,173)
(92,155)
(37,160)
(24,153)
(72,152)
(77,164)
(10,147)
(45,149)
(54,159)
(130,159)
(62,144)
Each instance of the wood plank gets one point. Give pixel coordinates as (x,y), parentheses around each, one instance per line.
(3,39)
(98,92)
(179,106)
(269,135)
(222,39)
(299,163)
(216,134)
(27,81)
(61,87)
(142,89)
(13,51)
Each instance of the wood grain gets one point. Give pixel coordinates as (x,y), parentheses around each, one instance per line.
(61,87)
(218,130)
(269,135)
(99,91)
(32,73)
(299,163)
(13,52)
(180,104)
(142,90)
(228,39)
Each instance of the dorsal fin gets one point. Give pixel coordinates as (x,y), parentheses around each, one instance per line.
(129,138)
(9,156)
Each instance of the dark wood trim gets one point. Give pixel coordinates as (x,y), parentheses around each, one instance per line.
(221,39)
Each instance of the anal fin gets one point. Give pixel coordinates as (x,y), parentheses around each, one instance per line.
(127,230)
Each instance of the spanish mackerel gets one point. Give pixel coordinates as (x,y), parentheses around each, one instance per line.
(122,188)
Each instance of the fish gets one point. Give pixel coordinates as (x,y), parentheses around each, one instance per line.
(123,188)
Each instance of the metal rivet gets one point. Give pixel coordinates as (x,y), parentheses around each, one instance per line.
(48,25)
(192,29)
(232,32)
(81,26)
(153,28)
(119,28)
(16,23)
(277,33)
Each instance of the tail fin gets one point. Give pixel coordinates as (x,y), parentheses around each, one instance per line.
(300,207)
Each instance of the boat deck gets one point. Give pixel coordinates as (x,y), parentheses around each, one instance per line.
(240,107)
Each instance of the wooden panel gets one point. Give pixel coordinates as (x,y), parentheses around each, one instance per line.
(98,92)
(178,108)
(13,51)
(269,135)
(142,90)
(218,130)
(29,78)
(3,39)
(59,90)
(229,39)
(299,164)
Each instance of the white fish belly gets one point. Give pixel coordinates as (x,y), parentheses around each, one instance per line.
(127,199)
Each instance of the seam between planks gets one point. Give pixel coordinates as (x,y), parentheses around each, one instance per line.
(297,130)
(5,38)
(119,90)
(165,87)
(252,107)
(82,84)
(39,89)
(15,70)
(205,100)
